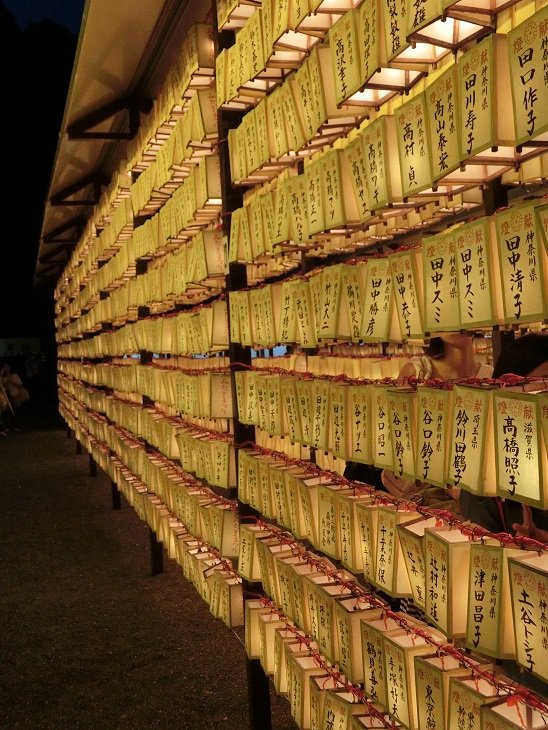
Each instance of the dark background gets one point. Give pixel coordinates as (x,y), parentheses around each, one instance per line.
(37,47)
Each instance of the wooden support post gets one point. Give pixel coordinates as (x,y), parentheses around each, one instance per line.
(156,554)
(92,466)
(116,497)
(78,447)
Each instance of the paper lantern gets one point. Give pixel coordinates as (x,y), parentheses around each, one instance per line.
(411,536)
(379,319)
(523,264)
(321,596)
(340,706)
(471,462)
(348,528)
(300,669)
(522,464)
(525,46)
(466,698)
(440,278)
(248,561)
(402,414)
(413,146)
(400,649)
(282,637)
(529,588)
(432,675)
(406,272)
(510,715)
(480,302)
(390,571)
(367,516)
(268,622)
(347,614)
(373,633)
(432,440)
(447,559)
(489,628)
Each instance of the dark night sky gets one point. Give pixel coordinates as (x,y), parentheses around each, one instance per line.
(63,12)
(37,45)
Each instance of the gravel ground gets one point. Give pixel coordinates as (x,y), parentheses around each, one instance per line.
(89,638)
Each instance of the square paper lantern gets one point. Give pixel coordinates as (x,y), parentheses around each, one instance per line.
(283,637)
(432,434)
(480,300)
(406,271)
(347,614)
(486,128)
(466,698)
(526,45)
(340,706)
(412,542)
(471,458)
(400,649)
(447,558)
(379,318)
(514,715)
(367,514)
(300,669)
(523,264)
(529,589)
(320,685)
(489,628)
(373,633)
(402,411)
(432,675)
(522,463)
(414,146)
(390,571)
(440,277)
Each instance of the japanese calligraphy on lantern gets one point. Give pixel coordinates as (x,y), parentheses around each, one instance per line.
(527,48)
(352,279)
(395,30)
(433,406)
(359,414)
(302,301)
(407,295)
(377,309)
(343,44)
(313,177)
(338,418)
(522,264)
(297,204)
(368,36)
(333,206)
(519,448)
(447,558)
(475,278)
(357,166)
(440,276)
(329,312)
(381,429)
(389,557)
(367,515)
(432,685)
(401,406)
(489,608)
(377,173)
(411,540)
(477,107)
(466,696)
(467,459)
(442,110)
(529,589)
(413,146)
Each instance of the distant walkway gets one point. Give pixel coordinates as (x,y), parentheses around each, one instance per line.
(88,638)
